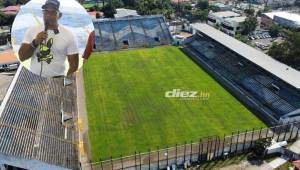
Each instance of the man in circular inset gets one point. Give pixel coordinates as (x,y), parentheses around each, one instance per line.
(49,45)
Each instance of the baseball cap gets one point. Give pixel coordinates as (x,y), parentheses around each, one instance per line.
(51,3)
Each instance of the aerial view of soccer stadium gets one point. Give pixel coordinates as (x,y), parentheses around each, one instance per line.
(128,110)
(146,84)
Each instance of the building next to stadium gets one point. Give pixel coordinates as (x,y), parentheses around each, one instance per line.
(232,26)
(283,18)
(270,88)
(216,18)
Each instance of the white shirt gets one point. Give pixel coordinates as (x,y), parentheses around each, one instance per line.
(64,43)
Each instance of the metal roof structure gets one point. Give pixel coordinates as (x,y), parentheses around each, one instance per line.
(280,70)
(286,15)
(31,119)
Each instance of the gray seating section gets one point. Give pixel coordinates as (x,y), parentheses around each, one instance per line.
(247,76)
(131,32)
(30,124)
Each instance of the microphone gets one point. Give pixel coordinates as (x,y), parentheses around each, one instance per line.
(46,25)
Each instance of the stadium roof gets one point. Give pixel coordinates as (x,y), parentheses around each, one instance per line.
(282,71)
(31,121)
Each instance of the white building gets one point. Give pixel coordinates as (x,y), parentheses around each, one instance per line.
(122,12)
(232,26)
(216,18)
(286,19)
(276,3)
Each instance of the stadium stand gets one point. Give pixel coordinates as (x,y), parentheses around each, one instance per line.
(33,134)
(274,94)
(131,32)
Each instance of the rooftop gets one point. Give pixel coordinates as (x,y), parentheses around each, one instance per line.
(284,14)
(236,19)
(224,14)
(122,12)
(282,71)
(7,56)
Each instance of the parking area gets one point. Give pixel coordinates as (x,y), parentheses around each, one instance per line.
(263,40)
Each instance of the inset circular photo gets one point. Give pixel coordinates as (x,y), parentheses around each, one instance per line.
(51,38)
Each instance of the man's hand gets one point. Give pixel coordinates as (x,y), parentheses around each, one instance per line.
(27,50)
(40,37)
(73,63)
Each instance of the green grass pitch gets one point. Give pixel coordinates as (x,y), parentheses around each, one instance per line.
(128,110)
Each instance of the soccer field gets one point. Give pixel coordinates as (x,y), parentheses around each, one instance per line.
(128,110)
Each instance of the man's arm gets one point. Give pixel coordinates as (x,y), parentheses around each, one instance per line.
(26,51)
(73,63)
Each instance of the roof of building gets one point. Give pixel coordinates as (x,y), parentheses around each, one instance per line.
(122,12)
(31,122)
(7,56)
(282,71)
(93,14)
(236,19)
(11,9)
(224,14)
(285,15)
(220,5)
(181,1)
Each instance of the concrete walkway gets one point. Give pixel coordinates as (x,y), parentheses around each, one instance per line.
(84,150)
(295,147)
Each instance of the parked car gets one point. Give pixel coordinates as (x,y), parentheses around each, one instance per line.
(9,67)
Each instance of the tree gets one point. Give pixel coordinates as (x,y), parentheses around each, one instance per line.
(9,3)
(275,29)
(243,38)
(6,19)
(199,14)
(152,7)
(250,11)
(129,4)
(287,52)
(259,148)
(108,11)
(249,25)
(117,3)
(183,9)
(202,4)
(214,8)
(259,13)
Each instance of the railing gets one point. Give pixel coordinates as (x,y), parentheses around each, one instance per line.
(206,149)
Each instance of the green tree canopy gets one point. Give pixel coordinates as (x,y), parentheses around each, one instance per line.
(202,4)
(249,11)
(249,25)
(152,7)
(199,14)
(108,11)
(288,51)
(275,30)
